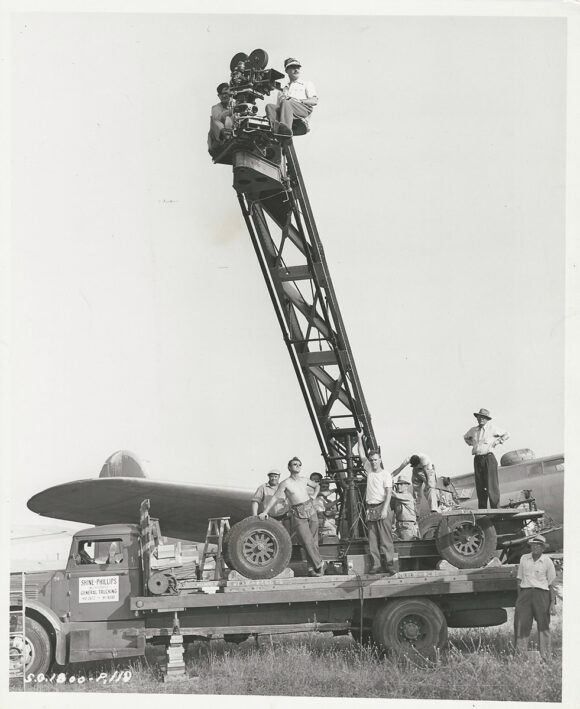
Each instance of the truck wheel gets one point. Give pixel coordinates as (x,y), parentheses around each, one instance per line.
(413,627)
(428,525)
(465,541)
(33,649)
(258,548)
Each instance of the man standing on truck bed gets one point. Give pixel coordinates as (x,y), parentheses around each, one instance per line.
(304,515)
(379,512)
(483,438)
(423,479)
(263,495)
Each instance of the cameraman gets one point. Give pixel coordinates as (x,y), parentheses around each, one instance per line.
(296,100)
(220,122)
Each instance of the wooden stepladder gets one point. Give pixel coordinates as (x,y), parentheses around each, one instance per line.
(216,528)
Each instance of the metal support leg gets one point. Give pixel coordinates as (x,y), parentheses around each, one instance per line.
(175,650)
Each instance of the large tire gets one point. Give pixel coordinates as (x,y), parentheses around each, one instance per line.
(429,524)
(412,627)
(257,549)
(466,541)
(35,646)
(519,456)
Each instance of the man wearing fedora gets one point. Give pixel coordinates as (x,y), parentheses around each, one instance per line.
(296,100)
(536,596)
(483,438)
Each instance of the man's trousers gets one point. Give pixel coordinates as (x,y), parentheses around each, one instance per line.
(306,532)
(380,535)
(287,111)
(533,604)
(486,481)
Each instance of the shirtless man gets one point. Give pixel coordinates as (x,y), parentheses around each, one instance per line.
(304,516)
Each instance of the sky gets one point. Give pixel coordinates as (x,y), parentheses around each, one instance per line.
(139,318)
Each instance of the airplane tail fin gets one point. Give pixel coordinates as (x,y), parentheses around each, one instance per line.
(122,464)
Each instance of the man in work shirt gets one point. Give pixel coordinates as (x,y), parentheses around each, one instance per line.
(536,596)
(304,516)
(483,438)
(379,512)
(423,479)
(296,100)
(405,513)
(262,497)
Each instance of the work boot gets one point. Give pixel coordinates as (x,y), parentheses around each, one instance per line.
(319,571)
(283,129)
(375,570)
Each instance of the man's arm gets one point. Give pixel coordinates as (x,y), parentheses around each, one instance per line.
(468,437)
(551,573)
(361,449)
(387,504)
(500,437)
(272,501)
(404,464)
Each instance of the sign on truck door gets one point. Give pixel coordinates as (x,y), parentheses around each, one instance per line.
(100,574)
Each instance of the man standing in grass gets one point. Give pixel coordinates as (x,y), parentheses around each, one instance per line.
(379,512)
(304,516)
(536,597)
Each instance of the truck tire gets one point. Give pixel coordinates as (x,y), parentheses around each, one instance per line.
(519,456)
(429,524)
(466,541)
(411,627)
(34,646)
(257,548)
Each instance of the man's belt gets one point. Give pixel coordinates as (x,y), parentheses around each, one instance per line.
(303,510)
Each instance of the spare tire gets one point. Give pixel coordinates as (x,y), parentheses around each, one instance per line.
(519,456)
(429,524)
(257,548)
(466,541)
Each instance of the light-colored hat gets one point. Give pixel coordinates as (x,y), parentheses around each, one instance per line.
(538,539)
(274,471)
(483,412)
(291,62)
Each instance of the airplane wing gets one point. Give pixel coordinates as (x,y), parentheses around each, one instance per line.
(182,509)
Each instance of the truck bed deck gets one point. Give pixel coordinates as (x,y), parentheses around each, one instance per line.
(241,592)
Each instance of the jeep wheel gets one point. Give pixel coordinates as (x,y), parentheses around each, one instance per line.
(466,541)
(257,549)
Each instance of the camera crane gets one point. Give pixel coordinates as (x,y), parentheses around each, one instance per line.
(279,219)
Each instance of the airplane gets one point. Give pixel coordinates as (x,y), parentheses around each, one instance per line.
(183,509)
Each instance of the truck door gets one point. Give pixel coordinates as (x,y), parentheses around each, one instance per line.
(100,576)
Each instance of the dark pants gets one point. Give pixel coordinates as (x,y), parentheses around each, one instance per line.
(380,535)
(306,532)
(486,481)
(533,604)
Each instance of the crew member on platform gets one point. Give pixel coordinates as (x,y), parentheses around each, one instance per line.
(423,479)
(262,496)
(379,510)
(405,511)
(326,508)
(536,597)
(296,100)
(304,517)
(220,122)
(483,438)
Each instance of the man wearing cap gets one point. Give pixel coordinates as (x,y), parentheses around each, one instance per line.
(264,493)
(220,122)
(296,100)
(423,479)
(483,438)
(304,517)
(536,596)
(379,510)
(405,512)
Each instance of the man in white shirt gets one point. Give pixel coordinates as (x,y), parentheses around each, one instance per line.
(536,596)
(423,479)
(483,438)
(379,510)
(296,100)
(220,122)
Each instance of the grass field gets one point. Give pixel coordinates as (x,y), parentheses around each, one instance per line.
(479,664)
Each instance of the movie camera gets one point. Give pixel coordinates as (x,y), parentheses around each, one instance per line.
(250,80)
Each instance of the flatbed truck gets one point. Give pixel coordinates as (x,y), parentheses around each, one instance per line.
(100,605)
